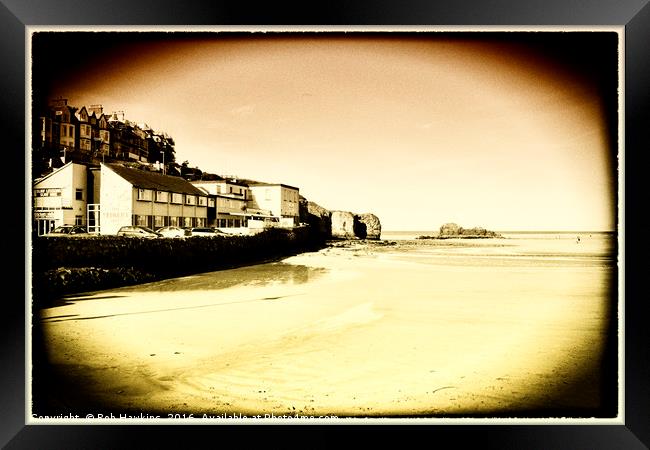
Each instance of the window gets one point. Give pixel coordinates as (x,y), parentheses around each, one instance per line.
(64,130)
(158,222)
(78,194)
(177,198)
(200,222)
(237,223)
(140,220)
(190,200)
(173,221)
(144,194)
(78,220)
(187,222)
(202,201)
(162,196)
(211,202)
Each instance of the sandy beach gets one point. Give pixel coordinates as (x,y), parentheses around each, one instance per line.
(494,328)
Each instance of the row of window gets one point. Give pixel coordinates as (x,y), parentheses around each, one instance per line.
(231,223)
(222,189)
(228,203)
(155,222)
(171,197)
(67,130)
(56,192)
(47,192)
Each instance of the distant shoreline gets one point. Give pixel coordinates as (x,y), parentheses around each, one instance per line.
(432,232)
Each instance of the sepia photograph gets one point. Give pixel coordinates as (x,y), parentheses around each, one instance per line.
(305,225)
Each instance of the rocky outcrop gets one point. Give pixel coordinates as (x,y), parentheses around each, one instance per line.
(317,217)
(343,225)
(371,226)
(450,230)
(339,224)
(347,225)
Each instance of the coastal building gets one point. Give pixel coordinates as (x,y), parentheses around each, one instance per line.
(58,127)
(281,200)
(129,142)
(66,133)
(128,196)
(230,202)
(60,198)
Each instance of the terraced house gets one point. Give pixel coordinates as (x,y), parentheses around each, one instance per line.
(136,197)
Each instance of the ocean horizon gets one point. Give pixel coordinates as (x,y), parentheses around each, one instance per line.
(514,231)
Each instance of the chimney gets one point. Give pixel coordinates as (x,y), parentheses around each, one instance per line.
(97,109)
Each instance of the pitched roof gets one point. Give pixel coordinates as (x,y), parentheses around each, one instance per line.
(45,177)
(153,180)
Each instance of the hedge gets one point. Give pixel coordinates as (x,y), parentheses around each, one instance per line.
(63,265)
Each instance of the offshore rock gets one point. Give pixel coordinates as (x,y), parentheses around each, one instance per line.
(450,229)
(453,230)
(370,225)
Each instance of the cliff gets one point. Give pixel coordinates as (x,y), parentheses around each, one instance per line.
(339,224)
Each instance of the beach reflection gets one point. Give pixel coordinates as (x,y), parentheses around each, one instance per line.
(277,273)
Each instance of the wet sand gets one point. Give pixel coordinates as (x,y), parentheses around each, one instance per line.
(363,331)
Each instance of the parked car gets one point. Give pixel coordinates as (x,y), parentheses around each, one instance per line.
(68,230)
(172,231)
(201,231)
(138,231)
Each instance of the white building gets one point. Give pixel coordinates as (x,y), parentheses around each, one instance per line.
(136,197)
(60,198)
(280,199)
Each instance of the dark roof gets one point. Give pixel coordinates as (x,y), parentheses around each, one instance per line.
(153,180)
(222,181)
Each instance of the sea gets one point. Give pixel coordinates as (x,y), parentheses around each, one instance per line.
(593,248)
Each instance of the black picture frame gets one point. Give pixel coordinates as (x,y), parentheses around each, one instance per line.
(633,15)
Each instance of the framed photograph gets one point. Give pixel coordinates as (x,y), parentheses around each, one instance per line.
(416,222)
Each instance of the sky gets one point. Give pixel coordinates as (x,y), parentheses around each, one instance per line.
(508,131)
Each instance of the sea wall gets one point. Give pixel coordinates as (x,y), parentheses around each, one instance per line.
(64,265)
